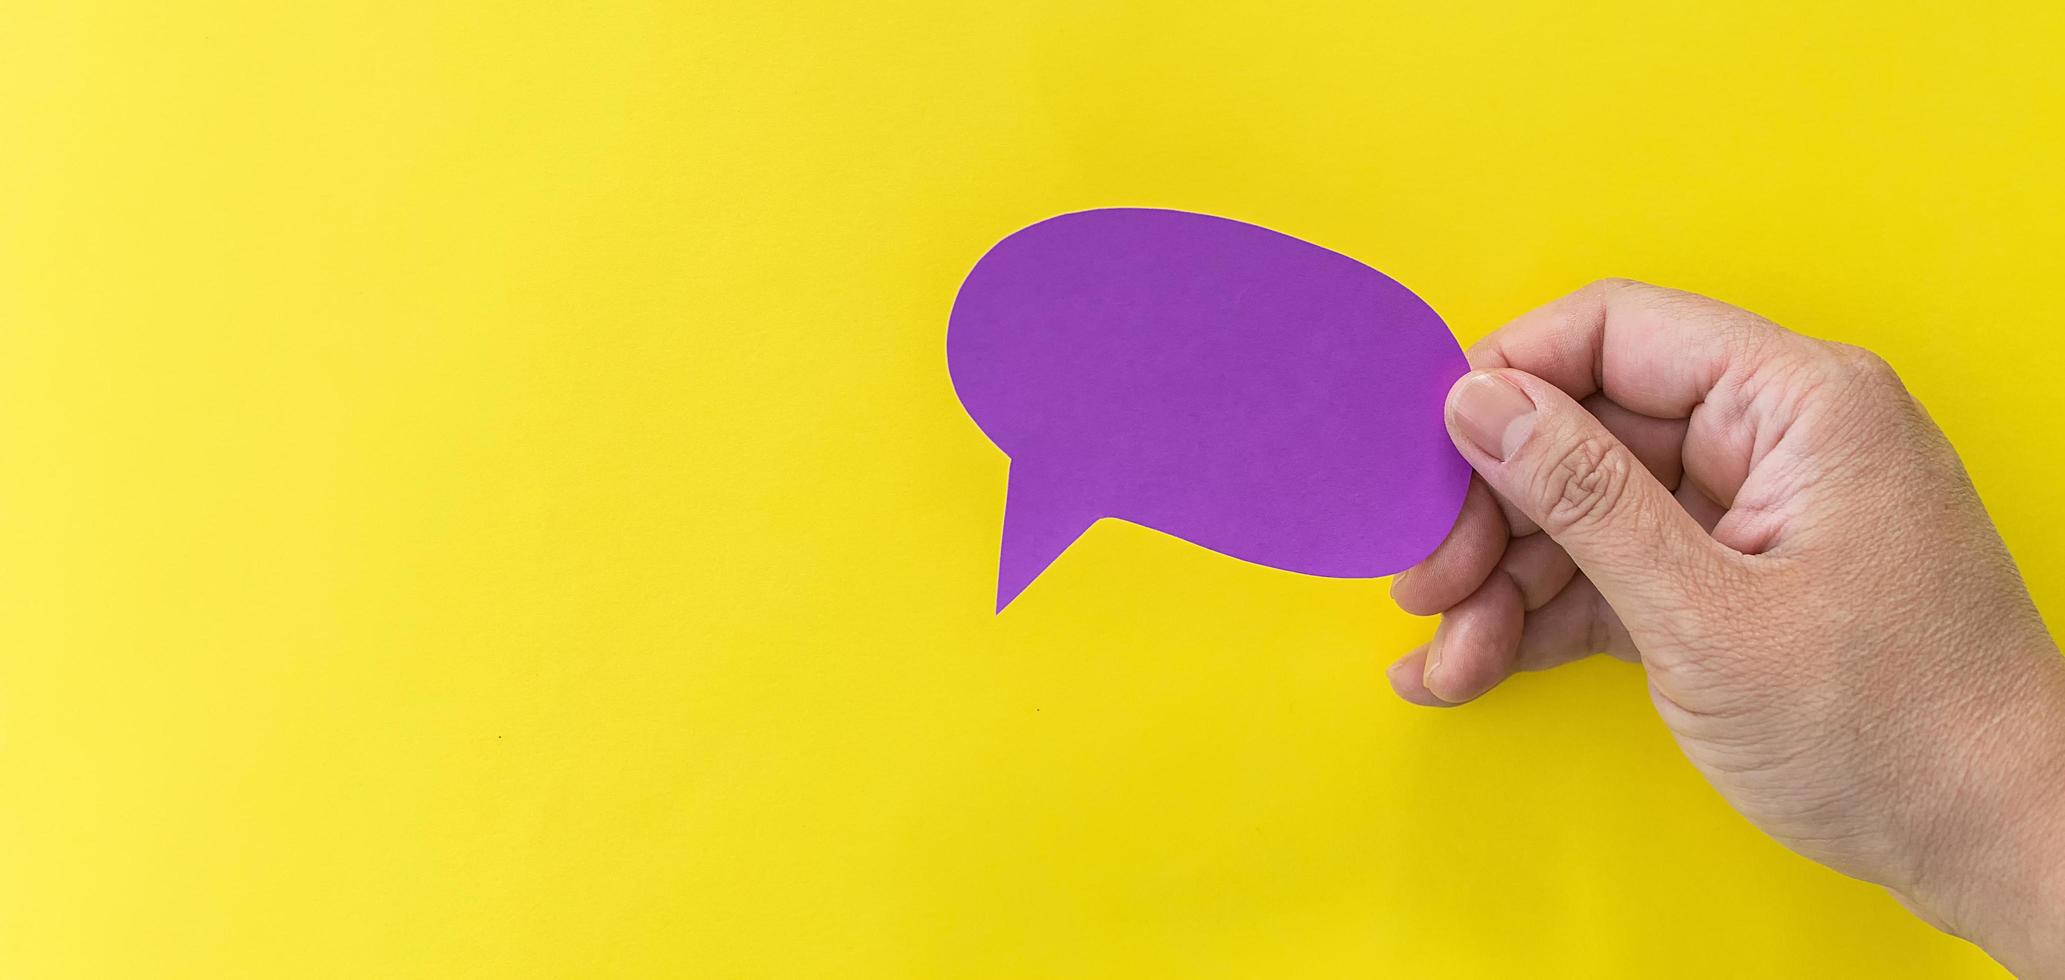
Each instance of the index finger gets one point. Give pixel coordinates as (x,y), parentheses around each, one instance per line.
(1652,350)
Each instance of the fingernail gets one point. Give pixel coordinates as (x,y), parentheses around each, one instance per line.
(1494,415)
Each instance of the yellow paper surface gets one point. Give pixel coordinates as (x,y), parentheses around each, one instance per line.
(480,494)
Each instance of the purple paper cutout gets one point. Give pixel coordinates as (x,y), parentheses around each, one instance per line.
(1232,386)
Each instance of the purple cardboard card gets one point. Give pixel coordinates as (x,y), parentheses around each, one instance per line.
(1232,386)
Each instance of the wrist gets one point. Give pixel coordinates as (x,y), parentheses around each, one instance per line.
(1991,868)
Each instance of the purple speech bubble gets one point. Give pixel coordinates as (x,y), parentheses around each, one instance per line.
(1220,382)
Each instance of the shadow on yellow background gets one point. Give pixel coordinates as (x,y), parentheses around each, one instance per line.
(482,494)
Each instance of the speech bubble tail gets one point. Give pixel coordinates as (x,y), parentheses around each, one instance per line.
(1040,521)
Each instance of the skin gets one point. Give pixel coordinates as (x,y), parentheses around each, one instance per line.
(1775,530)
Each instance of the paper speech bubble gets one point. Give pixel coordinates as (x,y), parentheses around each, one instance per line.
(1229,385)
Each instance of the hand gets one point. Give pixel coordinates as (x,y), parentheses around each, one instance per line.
(1774,528)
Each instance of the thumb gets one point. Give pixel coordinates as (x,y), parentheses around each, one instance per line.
(1557,464)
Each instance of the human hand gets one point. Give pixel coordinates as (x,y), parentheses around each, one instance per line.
(1770,524)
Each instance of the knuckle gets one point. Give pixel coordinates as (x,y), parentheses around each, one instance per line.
(1582,483)
(1854,393)
(1865,365)
(1630,295)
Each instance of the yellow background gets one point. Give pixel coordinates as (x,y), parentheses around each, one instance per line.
(480,495)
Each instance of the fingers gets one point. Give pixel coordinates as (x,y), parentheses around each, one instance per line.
(1474,646)
(1485,530)
(1664,354)
(1608,504)
(1458,566)
(1572,626)
(1478,547)
(1479,641)
(1658,443)
(1487,639)
(1538,566)
(1559,465)
(1517,604)
(1655,351)
(1408,679)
